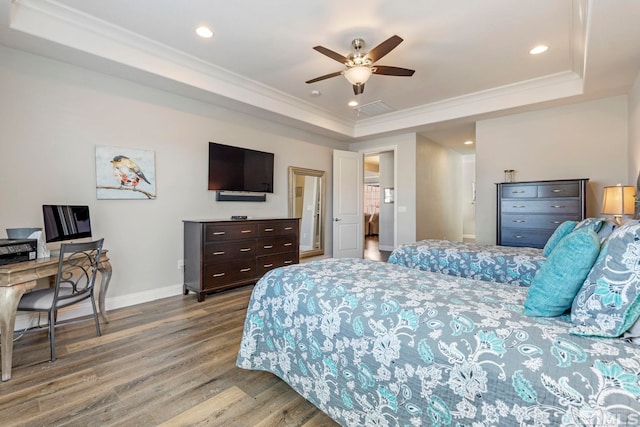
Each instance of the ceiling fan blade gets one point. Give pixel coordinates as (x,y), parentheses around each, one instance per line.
(392,71)
(358,89)
(383,48)
(327,76)
(331,54)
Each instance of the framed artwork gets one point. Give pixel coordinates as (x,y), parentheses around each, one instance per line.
(125,173)
(388,195)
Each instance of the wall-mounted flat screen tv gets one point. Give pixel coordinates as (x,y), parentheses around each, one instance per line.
(240,169)
(64,222)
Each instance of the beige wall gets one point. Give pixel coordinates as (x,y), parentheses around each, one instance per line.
(387,210)
(586,140)
(53,115)
(468,204)
(439,192)
(634,134)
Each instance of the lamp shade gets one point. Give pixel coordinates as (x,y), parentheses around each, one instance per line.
(358,74)
(618,200)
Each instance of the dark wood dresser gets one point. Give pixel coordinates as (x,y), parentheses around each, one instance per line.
(529,212)
(220,255)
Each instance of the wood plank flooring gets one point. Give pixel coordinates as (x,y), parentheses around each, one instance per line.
(371,250)
(169,362)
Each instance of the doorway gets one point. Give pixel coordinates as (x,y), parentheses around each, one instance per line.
(379,211)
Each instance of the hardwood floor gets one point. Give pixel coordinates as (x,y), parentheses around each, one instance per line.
(169,362)
(371,250)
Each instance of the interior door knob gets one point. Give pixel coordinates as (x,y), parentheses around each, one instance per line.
(337,219)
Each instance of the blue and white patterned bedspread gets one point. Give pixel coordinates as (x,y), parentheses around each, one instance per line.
(377,344)
(501,264)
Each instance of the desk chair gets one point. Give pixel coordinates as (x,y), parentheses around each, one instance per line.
(77,270)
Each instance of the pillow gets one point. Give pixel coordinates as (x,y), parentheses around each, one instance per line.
(605,231)
(562,230)
(560,277)
(633,333)
(608,304)
(593,223)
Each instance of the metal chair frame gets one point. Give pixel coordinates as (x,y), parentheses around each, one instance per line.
(75,282)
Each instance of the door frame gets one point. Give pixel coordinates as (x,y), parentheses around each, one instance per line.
(370,151)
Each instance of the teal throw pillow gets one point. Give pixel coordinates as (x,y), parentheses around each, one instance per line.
(562,230)
(559,279)
(608,303)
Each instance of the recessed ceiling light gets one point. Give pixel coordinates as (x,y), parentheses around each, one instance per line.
(538,49)
(353,103)
(204,32)
(468,143)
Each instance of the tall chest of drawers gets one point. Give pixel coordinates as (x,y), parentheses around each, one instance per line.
(529,212)
(220,255)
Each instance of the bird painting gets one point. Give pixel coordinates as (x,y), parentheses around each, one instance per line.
(127,172)
(126,166)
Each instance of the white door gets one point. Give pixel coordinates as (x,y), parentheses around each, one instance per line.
(347,204)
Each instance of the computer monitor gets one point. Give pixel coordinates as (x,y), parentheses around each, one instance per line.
(65,222)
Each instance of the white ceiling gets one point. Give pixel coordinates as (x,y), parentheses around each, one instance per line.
(471,57)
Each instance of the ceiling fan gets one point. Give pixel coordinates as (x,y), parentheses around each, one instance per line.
(360,65)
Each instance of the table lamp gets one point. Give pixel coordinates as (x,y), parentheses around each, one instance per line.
(619,200)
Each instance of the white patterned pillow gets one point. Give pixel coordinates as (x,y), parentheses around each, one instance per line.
(608,304)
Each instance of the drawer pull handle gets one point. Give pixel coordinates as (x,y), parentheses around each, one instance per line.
(558,191)
(244,270)
(288,228)
(267,265)
(556,222)
(518,237)
(519,206)
(268,246)
(558,206)
(218,275)
(219,253)
(288,261)
(518,192)
(288,244)
(518,220)
(268,229)
(219,233)
(246,231)
(245,249)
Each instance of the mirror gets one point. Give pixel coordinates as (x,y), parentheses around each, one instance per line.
(306,201)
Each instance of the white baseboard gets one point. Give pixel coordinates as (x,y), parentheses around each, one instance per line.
(468,236)
(385,248)
(24,319)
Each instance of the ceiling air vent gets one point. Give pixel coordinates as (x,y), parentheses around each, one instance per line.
(374,108)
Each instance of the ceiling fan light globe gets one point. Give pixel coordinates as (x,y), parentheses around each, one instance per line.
(358,74)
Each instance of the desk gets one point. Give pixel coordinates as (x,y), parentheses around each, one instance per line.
(18,278)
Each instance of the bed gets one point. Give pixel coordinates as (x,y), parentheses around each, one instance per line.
(380,344)
(503,264)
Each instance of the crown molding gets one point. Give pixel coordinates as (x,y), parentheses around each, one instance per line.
(547,88)
(69,27)
(55,22)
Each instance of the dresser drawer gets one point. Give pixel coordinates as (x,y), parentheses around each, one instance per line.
(557,206)
(520,237)
(559,190)
(543,221)
(223,252)
(220,275)
(269,262)
(278,228)
(220,255)
(275,245)
(226,232)
(519,191)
